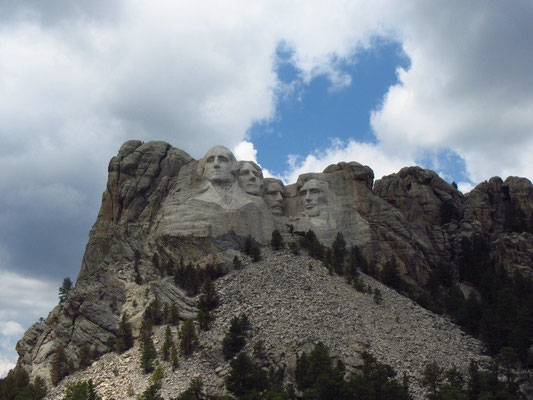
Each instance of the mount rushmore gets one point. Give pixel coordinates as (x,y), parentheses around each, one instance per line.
(162,204)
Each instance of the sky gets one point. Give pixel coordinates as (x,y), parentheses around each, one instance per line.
(294,85)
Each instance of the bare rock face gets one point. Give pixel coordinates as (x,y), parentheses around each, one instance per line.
(160,204)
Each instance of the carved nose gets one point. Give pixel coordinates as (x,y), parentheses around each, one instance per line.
(252,179)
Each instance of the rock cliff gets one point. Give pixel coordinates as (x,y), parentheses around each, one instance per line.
(160,204)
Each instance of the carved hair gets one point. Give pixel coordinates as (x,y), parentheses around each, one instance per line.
(240,164)
(269,181)
(201,163)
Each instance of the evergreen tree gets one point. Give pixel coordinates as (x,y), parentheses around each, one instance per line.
(148,353)
(205,319)
(378,298)
(432,378)
(237,264)
(167,344)
(245,376)
(152,392)
(209,298)
(65,289)
(390,275)
(235,338)
(338,253)
(276,241)
(174,314)
(124,339)
(188,338)
(84,356)
(194,391)
(174,357)
(255,253)
(59,367)
(81,391)
(136,262)
(158,266)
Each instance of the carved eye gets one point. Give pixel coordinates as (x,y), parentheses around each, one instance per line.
(210,159)
(222,159)
(315,191)
(303,192)
(244,172)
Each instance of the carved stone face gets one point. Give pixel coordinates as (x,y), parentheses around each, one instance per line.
(313,196)
(274,197)
(250,178)
(219,163)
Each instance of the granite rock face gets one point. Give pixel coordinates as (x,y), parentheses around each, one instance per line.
(161,204)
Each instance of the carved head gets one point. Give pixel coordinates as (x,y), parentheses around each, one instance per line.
(314,196)
(218,165)
(274,195)
(250,177)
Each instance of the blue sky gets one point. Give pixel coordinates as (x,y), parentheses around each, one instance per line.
(294,85)
(312,115)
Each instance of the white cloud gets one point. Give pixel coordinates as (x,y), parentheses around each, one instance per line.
(23,301)
(369,154)
(469,87)
(10,328)
(246,151)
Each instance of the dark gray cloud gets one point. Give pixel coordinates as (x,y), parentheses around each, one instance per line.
(59,12)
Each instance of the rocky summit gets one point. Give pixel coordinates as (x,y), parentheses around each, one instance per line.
(162,210)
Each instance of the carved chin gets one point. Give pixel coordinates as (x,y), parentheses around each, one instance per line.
(277,210)
(312,211)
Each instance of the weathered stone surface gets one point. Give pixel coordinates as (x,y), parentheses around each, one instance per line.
(160,201)
(293,303)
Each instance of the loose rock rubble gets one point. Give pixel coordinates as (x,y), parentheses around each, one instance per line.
(293,303)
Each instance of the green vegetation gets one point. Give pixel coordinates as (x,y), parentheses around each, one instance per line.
(235,338)
(65,289)
(59,368)
(81,391)
(276,241)
(152,392)
(188,338)
(148,352)
(449,384)
(16,386)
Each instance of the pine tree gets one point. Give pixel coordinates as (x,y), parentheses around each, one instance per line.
(65,289)
(205,319)
(81,391)
(148,354)
(235,338)
(59,367)
(84,356)
(125,336)
(167,344)
(237,264)
(432,378)
(209,298)
(174,314)
(390,275)
(339,251)
(188,338)
(276,241)
(245,376)
(378,298)
(174,357)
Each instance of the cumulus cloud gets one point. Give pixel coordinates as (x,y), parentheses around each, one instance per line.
(78,79)
(23,301)
(246,151)
(468,87)
(369,154)
(10,332)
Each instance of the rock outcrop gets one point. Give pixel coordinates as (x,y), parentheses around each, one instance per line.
(160,204)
